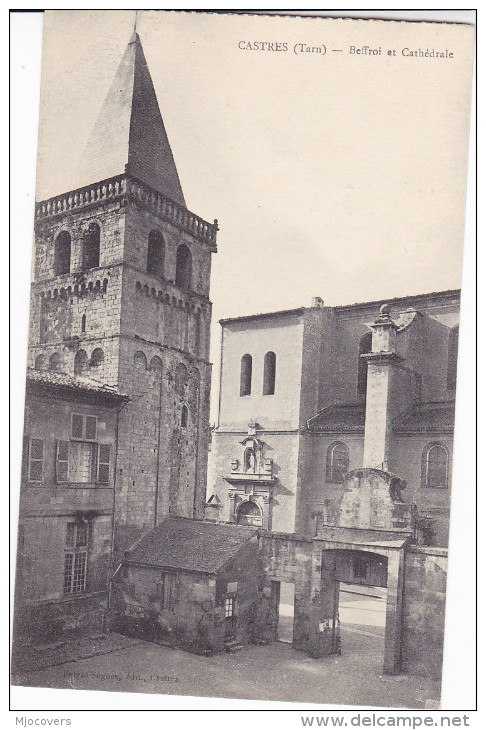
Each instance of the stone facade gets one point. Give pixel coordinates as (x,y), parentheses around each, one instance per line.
(66,507)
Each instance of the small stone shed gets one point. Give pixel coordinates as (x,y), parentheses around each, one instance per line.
(190,584)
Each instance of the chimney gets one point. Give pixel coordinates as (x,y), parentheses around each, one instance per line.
(317,302)
(382,362)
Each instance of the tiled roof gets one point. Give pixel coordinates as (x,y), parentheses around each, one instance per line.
(340,417)
(427,418)
(74,383)
(185,544)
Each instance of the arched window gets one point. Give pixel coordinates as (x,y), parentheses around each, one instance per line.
(269,369)
(435,465)
(83,323)
(62,254)
(249,460)
(180,379)
(156,364)
(55,362)
(183,267)
(91,247)
(80,362)
(184,415)
(40,362)
(452,358)
(140,359)
(249,514)
(245,375)
(155,254)
(337,464)
(364,348)
(97,357)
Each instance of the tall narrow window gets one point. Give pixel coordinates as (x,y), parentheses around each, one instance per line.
(245,375)
(337,465)
(155,254)
(364,348)
(36,460)
(184,414)
(62,254)
(269,368)
(168,591)
(104,453)
(435,466)
(452,358)
(91,247)
(83,323)
(183,267)
(76,557)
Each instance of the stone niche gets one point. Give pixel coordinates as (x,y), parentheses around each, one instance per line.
(372,499)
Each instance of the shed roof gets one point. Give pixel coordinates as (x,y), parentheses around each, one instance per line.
(186,544)
(427,418)
(339,418)
(73,384)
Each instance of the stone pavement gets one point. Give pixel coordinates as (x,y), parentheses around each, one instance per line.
(273,672)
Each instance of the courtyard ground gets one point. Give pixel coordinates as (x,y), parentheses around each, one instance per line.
(273,672)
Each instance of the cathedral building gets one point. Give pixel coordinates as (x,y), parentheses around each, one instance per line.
(299,392)
(121,296)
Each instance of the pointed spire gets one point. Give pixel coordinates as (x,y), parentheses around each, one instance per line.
(129,134)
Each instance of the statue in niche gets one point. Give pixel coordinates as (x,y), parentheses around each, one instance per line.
(250,460)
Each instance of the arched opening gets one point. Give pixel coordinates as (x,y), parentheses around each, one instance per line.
(97,357)
(55,362)
(184,417)
(245,375)
(452,358)
(40,362)
(80,362)
(83,323)
(91,247)
(269,371)
(155,254)
(337,463)
(156,364)
(435,465)
(364,349)
(183,277)
(180,378)
(249,460)
(249,513)
(62,254)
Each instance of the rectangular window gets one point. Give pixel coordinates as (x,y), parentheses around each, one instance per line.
(104,463)
(229,606)
(76,557)
(62,461)
(81,462)
(36,460)
(168,590)
(84,427)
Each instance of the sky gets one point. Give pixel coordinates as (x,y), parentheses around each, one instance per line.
(338,175)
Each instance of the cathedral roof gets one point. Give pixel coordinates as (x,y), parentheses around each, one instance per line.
(194,545)
(427,418)
(129,134)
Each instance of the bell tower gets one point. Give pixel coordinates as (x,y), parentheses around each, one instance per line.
(121,296)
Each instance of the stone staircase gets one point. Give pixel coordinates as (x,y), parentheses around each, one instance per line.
(233,645)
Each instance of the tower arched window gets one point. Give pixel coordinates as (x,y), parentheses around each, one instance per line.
(155,254)
(62,254)
(40,362)
(435,465)
(183,277)
(452,358)
(184,417)
(337,463)
(269,372)
(249,514)
(80,362)
(97,357)
(364,348)
(83,323)
(91,247)
(245,374)
(55,362)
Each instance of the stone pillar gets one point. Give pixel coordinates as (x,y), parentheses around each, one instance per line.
(324,632)
(393,627)
(382,362)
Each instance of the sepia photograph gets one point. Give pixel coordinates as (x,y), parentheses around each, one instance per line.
(242,360)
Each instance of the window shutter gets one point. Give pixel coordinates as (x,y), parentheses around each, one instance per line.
(104,451)
(91,427)
(36,460)
(77,426)
(62,462)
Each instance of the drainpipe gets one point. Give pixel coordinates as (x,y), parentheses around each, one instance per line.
(112,545)
(157,472)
